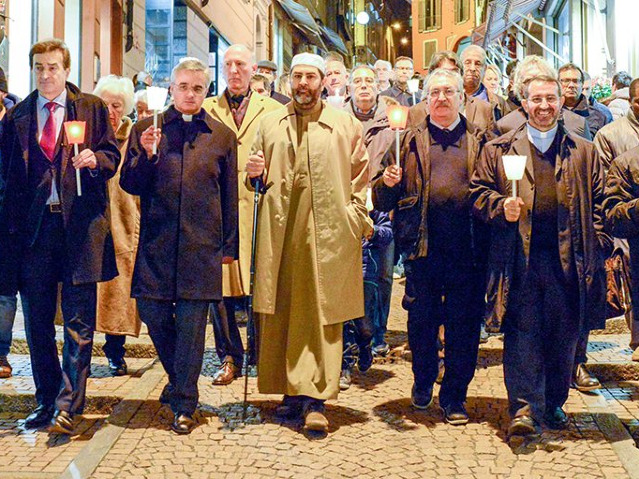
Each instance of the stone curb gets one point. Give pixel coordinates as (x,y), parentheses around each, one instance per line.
(615,433)
(88,459)
(133,350)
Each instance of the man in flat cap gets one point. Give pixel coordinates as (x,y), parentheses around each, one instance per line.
(269,70)
(309,250)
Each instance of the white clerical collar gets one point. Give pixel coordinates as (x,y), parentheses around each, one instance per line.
(186,117)
(541,139)
(450,127)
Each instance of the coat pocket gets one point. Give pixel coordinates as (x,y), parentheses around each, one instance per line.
(406,223)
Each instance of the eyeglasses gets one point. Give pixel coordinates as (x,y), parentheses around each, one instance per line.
(448,92)
(568,81)
(197,89)
(538,100)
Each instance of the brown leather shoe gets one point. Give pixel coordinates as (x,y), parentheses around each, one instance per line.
(584,381)
(226,374)
(314,418)
(5,368)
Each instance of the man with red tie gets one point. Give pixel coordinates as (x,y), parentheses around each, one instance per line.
(53,234)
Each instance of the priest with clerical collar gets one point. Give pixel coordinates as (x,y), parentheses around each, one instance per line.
(428,187)
(188,228)
(546,279)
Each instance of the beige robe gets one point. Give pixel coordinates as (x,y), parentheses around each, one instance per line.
(116,311)
(236,276)
(309,255)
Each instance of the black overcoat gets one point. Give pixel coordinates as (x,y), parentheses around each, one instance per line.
(188,194)
(89,243)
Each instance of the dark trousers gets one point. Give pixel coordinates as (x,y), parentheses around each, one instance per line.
(228,342)
(43,267)
(540,337)
(384,292)
(114,346)
(437,285)
(178,331)
(358,333)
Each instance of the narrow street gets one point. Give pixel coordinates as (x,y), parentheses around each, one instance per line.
(374,430)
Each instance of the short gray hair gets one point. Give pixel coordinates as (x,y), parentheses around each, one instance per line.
(522,72)
(117,85)
(383,63)
(443,73)
(474,48)
(140,96)
(192,64)
(363,67)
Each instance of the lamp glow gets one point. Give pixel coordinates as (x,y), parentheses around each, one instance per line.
(514,167)
(397,117)
(363,18)
(75,131)
(413,85)
(336,101)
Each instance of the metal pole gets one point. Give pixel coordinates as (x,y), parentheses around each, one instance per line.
(526,33)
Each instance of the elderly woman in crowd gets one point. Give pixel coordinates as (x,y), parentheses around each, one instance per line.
(141,103)
(492,80)
(117,314)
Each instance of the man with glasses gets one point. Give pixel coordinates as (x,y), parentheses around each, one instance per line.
(545,276)
(428,188)
(572,78)
(399,91)
(188,192)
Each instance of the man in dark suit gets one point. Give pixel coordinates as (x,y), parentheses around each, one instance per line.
(269,70)
(188,192)
(57,235)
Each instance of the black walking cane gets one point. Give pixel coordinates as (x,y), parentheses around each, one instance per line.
(250,325)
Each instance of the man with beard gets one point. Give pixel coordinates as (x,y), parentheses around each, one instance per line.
(545,274)
(309,251)
(572,79)
(403,72)
(473,59)
(428,187)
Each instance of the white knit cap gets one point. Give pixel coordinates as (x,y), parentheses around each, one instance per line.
(309,59)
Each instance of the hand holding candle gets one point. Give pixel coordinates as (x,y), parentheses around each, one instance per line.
(156,97)
(75,131)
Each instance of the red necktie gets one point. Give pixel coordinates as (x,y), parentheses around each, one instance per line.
(49,132)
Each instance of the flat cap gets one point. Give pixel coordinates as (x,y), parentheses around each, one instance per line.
(267,64)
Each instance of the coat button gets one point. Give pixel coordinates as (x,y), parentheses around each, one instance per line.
(527,237)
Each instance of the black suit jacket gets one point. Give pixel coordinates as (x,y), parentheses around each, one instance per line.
(86,223)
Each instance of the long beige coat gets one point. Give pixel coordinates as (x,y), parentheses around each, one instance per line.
(236,276)
(117,312)
(338,174)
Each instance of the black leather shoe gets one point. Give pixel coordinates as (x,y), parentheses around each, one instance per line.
(365,360)
(455,414)
(62,423)
(117,366)
(41,416)
(167,392)
(183,423)
(291,408)
(523,426)
(556,418)
(584,381)
(421,399)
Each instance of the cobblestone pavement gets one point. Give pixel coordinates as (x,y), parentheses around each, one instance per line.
(374,431)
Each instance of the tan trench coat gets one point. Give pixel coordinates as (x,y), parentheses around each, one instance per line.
(117,312)
(236,276)
(339,174)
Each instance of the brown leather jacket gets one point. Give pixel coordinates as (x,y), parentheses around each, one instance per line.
(583,244)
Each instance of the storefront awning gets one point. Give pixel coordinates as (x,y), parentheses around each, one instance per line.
(332,38)
(303,21)
(500,16)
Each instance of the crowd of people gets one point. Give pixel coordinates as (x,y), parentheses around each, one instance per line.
(151,220)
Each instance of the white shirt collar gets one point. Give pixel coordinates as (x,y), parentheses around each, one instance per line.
(61,100)
(541,139)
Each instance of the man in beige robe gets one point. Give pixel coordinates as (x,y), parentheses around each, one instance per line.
(309,253)
(239,109)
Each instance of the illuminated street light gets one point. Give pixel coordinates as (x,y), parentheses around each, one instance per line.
(396,26)
(404,41)
(363,18)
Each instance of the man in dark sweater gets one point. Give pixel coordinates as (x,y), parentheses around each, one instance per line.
(428,187)
(545,274)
